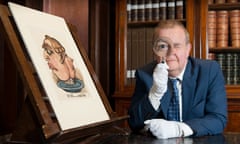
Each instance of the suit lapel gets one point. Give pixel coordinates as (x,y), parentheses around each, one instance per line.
(188,88)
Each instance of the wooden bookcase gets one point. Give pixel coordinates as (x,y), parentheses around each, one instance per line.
(195,20)
(124,72)
(233,90)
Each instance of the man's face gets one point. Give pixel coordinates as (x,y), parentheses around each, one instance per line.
(178,51)
(50,55)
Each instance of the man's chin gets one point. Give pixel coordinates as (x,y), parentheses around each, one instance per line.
(173,72)
(172,66)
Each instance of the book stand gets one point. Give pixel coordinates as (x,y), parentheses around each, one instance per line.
(37,123)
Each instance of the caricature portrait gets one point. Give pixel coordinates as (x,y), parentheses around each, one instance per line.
(64,72)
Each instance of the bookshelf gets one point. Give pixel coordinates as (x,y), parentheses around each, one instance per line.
(134,39)
(195,18)
(227,53)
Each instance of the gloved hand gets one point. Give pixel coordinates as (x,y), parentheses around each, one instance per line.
(164,129)
(160,79)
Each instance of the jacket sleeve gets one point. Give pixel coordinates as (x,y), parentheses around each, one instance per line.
(140,107)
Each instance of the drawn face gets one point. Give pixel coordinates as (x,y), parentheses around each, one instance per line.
(58,62)
(52,54)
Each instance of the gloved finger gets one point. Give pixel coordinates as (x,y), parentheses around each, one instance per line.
(147,122)
(146,127)
(161,66)
(165,65)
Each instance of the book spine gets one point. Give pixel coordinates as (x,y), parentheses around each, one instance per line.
(155,9)
(141,47)
(236,68)
(162,10)
(222,28)
(229,68)
(220,1)
(210,2)
(232,1)
(171,9)
(179,9)
(148,10)
(149,44)
(134,47)
(220,58)
(212,35)
(141,10)
(235,28)
(129,10)
(134,10)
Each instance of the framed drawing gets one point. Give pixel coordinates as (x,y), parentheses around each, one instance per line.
(60,67)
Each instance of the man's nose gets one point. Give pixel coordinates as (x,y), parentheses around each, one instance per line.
(171,50)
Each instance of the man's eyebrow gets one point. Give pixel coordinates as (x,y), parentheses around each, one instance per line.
(46,46)
(177,44)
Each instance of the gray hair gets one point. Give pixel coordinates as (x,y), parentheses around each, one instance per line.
(170,24)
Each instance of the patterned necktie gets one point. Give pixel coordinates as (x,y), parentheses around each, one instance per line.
(173,109)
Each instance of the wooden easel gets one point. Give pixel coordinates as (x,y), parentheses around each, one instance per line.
(36,123)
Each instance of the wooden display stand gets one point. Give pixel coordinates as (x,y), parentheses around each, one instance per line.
(36,122)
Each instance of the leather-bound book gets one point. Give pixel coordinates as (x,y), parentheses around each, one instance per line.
(141,10)
(155,9)
(212,36)
(129,10)
(134,10)
(162,9)
(148,10)
(171,9)
(179,9)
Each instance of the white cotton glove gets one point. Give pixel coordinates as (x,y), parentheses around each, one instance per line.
(160,79)
(164,129)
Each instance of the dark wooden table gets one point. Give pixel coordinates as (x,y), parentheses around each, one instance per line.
(226,138)
(130,138)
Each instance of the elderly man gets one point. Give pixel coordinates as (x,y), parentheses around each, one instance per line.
(194,105)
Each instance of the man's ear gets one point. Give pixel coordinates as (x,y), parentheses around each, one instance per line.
(189,48)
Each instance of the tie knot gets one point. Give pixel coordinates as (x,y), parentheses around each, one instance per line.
(174,81)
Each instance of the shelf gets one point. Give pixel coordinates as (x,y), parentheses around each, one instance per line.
(233,86)
(225,6)
(149,23)
(233,91)
(227,49)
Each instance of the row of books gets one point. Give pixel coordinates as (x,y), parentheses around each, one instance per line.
(150,10)
(139,53)
(230,64)
(222,1)
(139,49)
(224,28)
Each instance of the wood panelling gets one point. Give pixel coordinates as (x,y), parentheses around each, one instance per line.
(75,12)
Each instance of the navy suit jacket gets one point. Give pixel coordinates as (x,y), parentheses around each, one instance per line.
(204,103)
